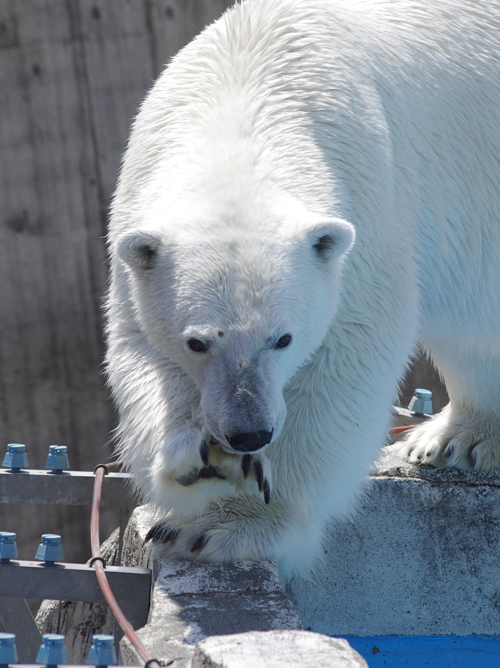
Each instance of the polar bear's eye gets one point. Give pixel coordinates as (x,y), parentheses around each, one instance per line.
(284,341)
(197,346)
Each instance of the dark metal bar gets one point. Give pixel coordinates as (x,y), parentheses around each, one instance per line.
(78,582)
(70,488)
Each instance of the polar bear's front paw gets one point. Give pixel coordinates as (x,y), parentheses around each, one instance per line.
(231,529)
(245,471)
(462,438)
(175,543)
(186,459)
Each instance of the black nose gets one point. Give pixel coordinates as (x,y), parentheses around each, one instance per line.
(250,442)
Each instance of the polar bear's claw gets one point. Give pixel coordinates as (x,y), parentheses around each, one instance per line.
(241,470)
(161,533)
(259,474)
(246,465)
(199,544)
(465,439)
(267,492)
(473,457)
(262,481)
(205,454)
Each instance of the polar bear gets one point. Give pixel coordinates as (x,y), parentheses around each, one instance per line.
(310,188)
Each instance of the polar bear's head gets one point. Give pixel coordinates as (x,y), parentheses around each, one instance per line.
(240,308)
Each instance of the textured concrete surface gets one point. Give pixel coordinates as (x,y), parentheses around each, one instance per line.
(420,557)
(276,649)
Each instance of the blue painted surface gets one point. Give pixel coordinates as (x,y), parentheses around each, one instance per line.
(428,651)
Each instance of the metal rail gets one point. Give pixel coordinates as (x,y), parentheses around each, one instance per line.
(65,581)
(72,488)
(77,582)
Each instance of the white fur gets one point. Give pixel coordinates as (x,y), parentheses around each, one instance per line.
(282,123)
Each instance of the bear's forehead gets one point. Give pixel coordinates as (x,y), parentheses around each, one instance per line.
(229,307)
(243,277)
(230,254)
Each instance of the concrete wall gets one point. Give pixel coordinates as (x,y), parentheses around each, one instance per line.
(420,557)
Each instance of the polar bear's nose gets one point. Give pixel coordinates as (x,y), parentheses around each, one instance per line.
(250,442)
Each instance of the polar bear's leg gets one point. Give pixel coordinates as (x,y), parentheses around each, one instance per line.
(466,434)
(240,528)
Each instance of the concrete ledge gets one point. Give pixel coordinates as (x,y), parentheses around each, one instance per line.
(276,649)
(420,557)
(193,610)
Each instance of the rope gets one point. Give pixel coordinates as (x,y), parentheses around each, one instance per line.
(98,564)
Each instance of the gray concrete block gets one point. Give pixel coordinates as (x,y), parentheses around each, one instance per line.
(276,649)
(419,557)
(183,577)
(178,623)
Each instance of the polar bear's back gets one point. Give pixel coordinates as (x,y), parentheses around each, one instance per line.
(388,71)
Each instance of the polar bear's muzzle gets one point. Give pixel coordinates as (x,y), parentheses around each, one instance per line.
(242,402)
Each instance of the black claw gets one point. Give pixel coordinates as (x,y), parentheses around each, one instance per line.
(199,544)
(448,451)
(161,533)
(267,492)
(259,474)
(473,458)
(246,465)
(188,478)
(205,454)
(211,472)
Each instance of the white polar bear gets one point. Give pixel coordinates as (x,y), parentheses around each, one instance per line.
(253,358)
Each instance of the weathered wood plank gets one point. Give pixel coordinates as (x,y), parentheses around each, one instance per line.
(174,23)
(116,55)
(53,269)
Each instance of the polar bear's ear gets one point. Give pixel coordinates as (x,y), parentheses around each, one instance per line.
(332,238)
(139,249)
